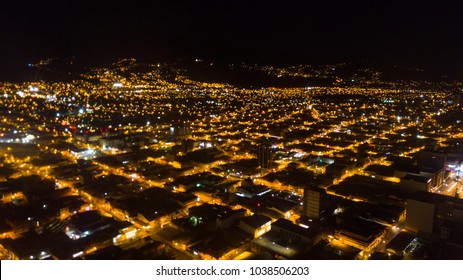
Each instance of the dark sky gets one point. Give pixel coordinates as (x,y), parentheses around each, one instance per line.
(410,33)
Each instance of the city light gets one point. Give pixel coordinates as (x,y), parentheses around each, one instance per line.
(210,170)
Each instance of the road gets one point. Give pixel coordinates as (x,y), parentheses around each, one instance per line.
(452,185)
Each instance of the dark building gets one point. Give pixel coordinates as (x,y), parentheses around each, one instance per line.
(459,98)
(264,156)
(123,141)
(315,203)
(431,213)
(187,145)
(430,160)
(180,130)
(433,163)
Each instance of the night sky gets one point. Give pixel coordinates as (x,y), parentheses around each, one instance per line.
(426,34)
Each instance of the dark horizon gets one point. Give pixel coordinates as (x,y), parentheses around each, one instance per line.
(413,34)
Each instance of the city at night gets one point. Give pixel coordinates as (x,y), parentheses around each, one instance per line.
(234,130)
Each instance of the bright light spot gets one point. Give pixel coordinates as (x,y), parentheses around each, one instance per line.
(338,210)
(78,254)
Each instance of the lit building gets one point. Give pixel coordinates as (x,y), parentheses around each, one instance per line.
(287,240)
(256,225)
(362,234)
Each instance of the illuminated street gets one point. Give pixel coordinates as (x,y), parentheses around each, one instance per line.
(221,131)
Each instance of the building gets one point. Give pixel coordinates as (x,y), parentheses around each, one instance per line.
(287,240)
(123,141)
(433,214)
(399,245)
(214,216)
(256,225)
(413,183)
(252,191)
(362,234)
(430,160)
(180,131)
(432,164)
(436,174)
(264,156)
(85,224)
(315,203)
(83,153)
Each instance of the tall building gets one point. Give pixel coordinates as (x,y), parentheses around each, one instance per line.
(432,164)
(264,156)
(315,203)
(431,160)
(459,98)
(180,130)
(432,213)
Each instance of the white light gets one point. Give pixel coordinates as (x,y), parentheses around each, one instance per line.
(78,254)
(81,111)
